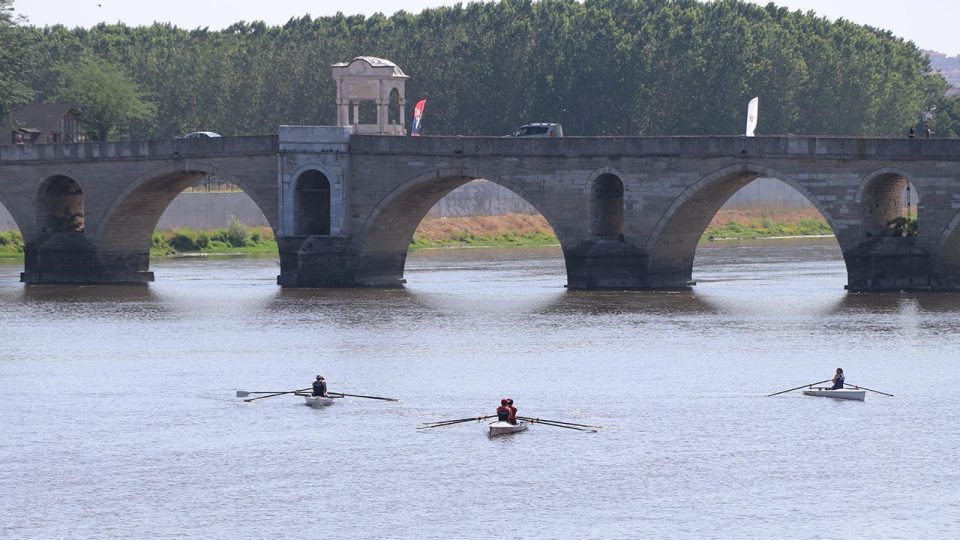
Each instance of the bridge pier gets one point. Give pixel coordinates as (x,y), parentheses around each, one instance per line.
(889,264)
(315,261)
(606,263)
(69,258)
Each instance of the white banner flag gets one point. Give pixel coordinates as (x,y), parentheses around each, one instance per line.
(752,111)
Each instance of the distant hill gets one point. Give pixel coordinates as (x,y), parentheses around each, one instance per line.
(949,67)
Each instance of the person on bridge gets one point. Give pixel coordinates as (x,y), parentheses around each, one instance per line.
(320,387)
(838,380)
(503,411)
(513,412)
(912,133)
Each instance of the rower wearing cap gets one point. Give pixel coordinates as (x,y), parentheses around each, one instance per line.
(320,387)
(503,411)
(513,412)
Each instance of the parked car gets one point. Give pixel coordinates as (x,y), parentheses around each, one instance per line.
(200,135)
(538,130)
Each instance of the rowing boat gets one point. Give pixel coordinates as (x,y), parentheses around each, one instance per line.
(506,428)
(845,393)
(317,401)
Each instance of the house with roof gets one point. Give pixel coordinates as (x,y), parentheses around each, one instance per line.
(42,123)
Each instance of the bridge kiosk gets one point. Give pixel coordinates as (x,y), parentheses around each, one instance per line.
(371,96)
(314,172)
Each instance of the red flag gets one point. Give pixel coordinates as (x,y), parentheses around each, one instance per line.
(417,116)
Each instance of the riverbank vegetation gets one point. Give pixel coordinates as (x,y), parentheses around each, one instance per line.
(235,239)
(533,230)
(604,67)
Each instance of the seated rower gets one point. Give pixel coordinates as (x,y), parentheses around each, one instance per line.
(513,412)
(320,387)
(503,411)
(837,380)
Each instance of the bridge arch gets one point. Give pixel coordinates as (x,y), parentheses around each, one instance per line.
(881,195)
(606,203)
(672,245)
(124,233)
(60,205)
(385,236)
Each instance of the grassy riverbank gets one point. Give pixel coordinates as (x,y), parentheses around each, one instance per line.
(234,240)
(748,223)
(525,230)
(511,230)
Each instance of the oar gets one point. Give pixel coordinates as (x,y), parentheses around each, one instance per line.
(277,394)
(556,422)
(799,387)
(452,422)
(245,393)
(368,397)
(562,426)
(460,421)
(865,388)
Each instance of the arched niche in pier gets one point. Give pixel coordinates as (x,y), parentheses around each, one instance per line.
(61,208)
(890,204)
(606,206)
(312,204)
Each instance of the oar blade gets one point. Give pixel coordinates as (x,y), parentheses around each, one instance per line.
(242,393)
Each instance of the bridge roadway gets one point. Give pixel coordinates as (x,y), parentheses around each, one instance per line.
(628,211)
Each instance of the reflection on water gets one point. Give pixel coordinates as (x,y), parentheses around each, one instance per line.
(119,415)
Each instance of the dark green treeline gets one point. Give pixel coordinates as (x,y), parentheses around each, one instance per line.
(601,67)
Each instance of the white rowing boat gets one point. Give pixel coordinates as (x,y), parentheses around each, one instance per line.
(506,428)
(317,401)
(845,393)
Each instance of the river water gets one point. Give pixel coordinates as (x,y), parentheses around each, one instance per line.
(119,415)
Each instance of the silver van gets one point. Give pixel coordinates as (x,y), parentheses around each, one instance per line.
(538,130)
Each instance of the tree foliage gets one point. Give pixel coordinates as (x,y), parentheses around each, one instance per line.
(14,62)
(601,67)
(108,100)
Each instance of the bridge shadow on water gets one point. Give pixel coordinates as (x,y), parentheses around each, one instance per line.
(898,303)
(372,308)
(88,301)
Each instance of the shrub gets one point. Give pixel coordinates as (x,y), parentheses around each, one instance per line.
(237,234)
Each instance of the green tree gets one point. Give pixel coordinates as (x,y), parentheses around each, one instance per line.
(14,63)
(108,100)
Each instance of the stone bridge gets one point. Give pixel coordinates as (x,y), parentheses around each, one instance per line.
(628,211)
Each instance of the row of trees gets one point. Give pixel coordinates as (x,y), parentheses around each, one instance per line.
(601,67)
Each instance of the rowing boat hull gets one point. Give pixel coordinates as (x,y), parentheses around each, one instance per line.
(318,401)
(506,428)
(856,395)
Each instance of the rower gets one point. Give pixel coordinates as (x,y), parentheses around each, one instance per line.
(513,412)
(838,380)
(320,387)
(503,411)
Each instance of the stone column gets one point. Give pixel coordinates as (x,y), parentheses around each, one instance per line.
(382,116)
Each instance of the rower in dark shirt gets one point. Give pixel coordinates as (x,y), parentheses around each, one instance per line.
(320,387)
(503,411)
(513,412)
(838,380)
